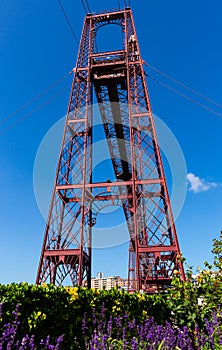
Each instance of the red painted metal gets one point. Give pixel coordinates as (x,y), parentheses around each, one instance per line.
(140,187)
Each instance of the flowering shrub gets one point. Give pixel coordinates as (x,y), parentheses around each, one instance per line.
(188,310)
(47,309)
(121,333)
(9,340)
(59,310)
(194,300)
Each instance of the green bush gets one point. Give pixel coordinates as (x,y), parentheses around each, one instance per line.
(54,310)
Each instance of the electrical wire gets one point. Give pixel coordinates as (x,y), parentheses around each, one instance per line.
(69,24)
(184,85)
(3,131)
(118,4)
(50,87)
(185,96)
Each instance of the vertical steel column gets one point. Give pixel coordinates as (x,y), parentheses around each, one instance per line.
(157,241)
(66,251)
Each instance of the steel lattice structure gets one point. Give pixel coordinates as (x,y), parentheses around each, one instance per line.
(118,81)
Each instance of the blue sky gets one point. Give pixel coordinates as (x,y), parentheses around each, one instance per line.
(181,39)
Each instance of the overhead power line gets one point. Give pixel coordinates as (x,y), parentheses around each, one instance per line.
(69,24)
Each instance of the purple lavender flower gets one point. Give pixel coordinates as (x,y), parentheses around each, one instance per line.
(104,341)
(216,323)
(47,340)
(169,336)
(42,342)
(84,324)
(147,335)
(110,322)
(149,329)
(95,341)
(102,323)
(118,322)
(210,332)
(140,331)
(203,339)
(59,341)
(185,338)
(132,325)
(25,341)
(134,343)
(125,343)
(94,317)
(32,343)
(9,333)
(103,311)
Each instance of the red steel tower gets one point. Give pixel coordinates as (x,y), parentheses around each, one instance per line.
(117,80)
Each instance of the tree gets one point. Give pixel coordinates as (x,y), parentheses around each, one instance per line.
(217,252)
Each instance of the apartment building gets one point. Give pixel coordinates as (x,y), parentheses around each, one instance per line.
(101,282)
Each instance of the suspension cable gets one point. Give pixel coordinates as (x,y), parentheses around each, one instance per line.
(84,6)
(87,9)
(33,110)
(87,5)
(69,24)
(185,96)
(184,86)
(50,87)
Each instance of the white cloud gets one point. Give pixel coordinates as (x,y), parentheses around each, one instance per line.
(196,184)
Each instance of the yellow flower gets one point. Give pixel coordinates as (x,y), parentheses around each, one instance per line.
(114,308)
(144,313)
(73,292)
(74,296)
(141,296)
(34,318)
